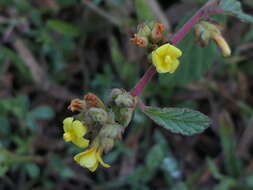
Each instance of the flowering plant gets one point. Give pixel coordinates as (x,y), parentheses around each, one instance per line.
(97,125)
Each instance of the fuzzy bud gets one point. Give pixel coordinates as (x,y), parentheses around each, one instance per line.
(140,41)
(96,115)
(124,116)
(125,100)
(206,31)
(157,32)
(113,131)
(114,93)
(143,30)
(93,101)
(77,105)
(106,144)
(202,37)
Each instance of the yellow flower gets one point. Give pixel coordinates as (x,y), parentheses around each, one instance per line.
(74,132)
(91,158)
(165,59)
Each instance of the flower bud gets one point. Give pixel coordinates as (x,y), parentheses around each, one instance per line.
(93,101)
(157,32)
(143,30)
(206,31)
(77,105)
(106,144)
(201,35)
(125,100)
(115,92)
(113,131)
(140,41)
(96,115)
(124,116)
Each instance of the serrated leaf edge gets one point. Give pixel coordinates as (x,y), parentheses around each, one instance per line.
(180,130)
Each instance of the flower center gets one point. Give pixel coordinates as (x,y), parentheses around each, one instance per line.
(167,59)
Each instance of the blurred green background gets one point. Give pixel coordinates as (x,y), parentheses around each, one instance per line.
(52,51)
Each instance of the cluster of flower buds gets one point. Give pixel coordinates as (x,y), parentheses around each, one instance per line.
(164,55)
(210,30)
(97,126)
(123,105)
(149,35)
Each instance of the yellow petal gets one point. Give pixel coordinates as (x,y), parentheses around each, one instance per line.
(87,159)
(174,51)
(67,123)
(175,65)
(98,155)
(78,156)
(163,50)
(80,142)
(67,136)
(79,129)
(156,59)
(92,169)
(163,69)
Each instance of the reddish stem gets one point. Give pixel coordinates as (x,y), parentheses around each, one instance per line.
(205,10)
(143,81)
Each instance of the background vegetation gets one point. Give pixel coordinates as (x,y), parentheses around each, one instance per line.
(52,51)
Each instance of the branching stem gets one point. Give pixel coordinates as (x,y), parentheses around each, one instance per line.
(207,9)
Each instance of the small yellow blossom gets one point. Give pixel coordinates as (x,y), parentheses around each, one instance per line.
(165,58)
(74,132)
(91,158)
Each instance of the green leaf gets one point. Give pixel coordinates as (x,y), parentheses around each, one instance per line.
(63,27)
(18,105)
(248,36)
(141,174)
(59,167)
(169,163)
(155,157)
(67,2)
(183,121)
(3,170)
(33,170)
(42,112)
(214,170)
(180,186)
(228,142)
(249,180)
(234,7)
(15,60)
(4,167)
(31,124)
(5,126)
(118,2)
(226,184)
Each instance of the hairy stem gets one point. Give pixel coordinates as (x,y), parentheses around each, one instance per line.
(205,10)
(143,81)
